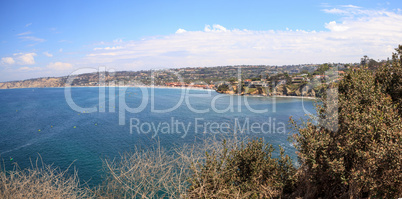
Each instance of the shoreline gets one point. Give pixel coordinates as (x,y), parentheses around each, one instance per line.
(139,86)
(271,96)
(276,96)
(168,87)
(301,97)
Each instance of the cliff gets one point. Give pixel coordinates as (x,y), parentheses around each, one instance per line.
(34,83)
(280,90)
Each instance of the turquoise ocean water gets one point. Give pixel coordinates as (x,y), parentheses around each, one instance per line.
(39,121)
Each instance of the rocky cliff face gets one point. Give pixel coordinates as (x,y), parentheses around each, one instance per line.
(306,91)
(90,79)
(34,83)
(280,90)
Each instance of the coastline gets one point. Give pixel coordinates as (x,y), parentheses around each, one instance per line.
(139,86)
(271,96)
(276,96)
(168,87)
(291,96)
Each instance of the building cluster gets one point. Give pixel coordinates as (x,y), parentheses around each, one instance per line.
(192,85)
(201,77)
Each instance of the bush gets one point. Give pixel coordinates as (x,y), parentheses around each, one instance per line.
(145,173)
(223,87)
(242,171)
(153,172)
(40,182)
(355,149)
(390,78)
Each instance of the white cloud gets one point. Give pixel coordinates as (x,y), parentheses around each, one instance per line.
(47,54)
(350,6)
(109,48)
(25,58)
(26,69)
(207,28)
(180,31)
(335,11)
(333,26)
(32,38)
(325,5)
(355,33)
(219,28)
(353,11)
(25,33)
(64,41)
(101,43)
(20,59)
(117,41)
(215,28)
(369,32)
(59,66)
(28,24)
(54,30)
(7,60)
(101,54)
(61,50)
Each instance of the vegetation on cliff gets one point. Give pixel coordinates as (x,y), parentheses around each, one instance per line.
(355,149)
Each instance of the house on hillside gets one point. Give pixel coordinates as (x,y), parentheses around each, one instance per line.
(321,77)
(298,79)
(294,71)
(282,81)
(258,83)
(247,82)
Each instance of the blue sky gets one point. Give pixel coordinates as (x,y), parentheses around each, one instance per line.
(54,38)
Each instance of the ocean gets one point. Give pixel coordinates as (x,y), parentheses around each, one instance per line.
(82,126)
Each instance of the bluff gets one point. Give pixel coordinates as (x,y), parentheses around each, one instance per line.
(280,90)
(34,83)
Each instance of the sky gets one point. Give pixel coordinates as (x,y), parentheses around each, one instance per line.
(57,38)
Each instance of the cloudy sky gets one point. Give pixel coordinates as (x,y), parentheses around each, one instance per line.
(55,38)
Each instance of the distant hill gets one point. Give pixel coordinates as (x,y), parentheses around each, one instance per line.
(188,75)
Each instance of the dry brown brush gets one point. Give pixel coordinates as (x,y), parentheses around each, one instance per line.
(40,182)
(154,172)
(242,170)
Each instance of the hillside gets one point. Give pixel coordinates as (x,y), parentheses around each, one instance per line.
(188,75)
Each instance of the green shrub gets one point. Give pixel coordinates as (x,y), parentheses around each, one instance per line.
(242,171)
(355,149)
(223,87)
(390,78)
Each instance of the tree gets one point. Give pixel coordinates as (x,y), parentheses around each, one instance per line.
(232,79)
(353,150)
(243,170)
(304,72)
(223,87)
(390,78)
(288,79)
(321,69)
(364,60)
(372,64)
